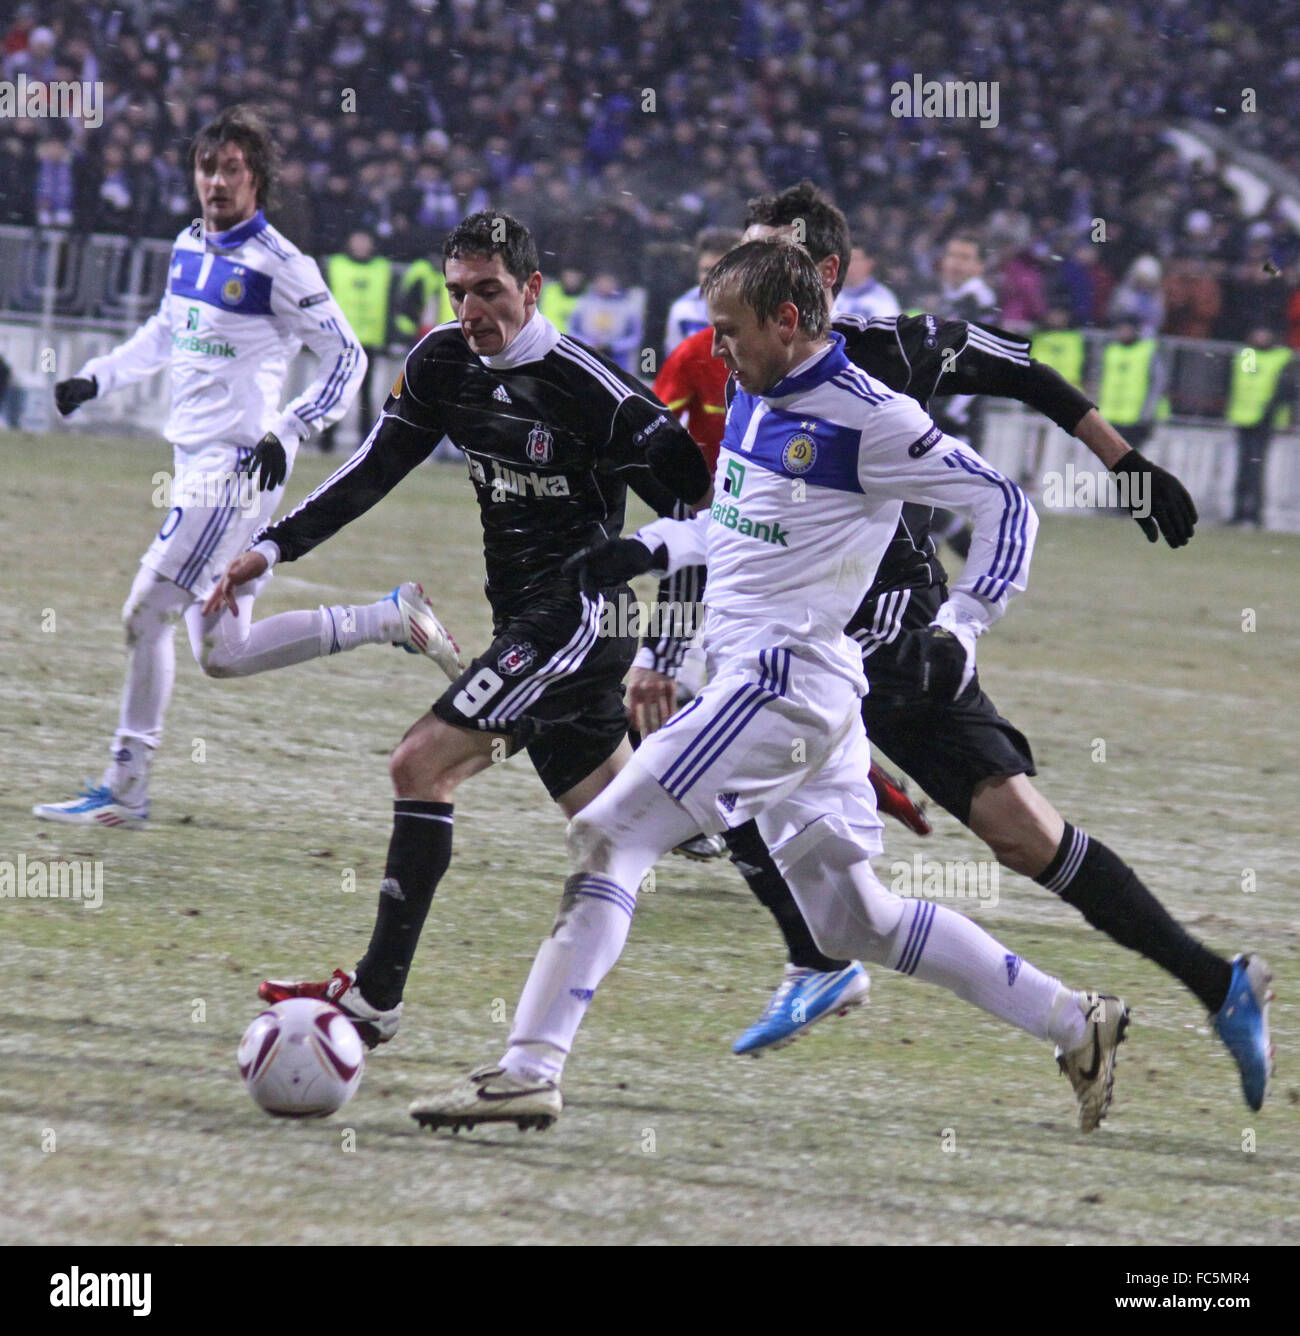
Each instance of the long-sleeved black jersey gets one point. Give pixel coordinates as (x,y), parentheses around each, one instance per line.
(920,356)
(552,436)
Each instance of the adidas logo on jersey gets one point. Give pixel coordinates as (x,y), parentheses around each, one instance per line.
(500,395)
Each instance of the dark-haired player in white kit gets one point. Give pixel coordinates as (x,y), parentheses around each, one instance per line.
(241,300)
(553,434)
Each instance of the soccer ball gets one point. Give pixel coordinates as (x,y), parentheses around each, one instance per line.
(301,1059)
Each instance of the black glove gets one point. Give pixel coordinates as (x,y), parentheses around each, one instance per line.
(70,394)
(268,461)
(935,660)
(1173,512)
(613,562)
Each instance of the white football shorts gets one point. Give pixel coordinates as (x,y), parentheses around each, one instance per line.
(215,510)
(775,737)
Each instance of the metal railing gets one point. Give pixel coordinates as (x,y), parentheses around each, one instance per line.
(65,298)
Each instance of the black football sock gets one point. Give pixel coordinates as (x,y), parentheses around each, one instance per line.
(754,863)
(418,855)
(1108,893)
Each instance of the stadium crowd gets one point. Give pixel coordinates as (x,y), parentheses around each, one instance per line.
(618,128)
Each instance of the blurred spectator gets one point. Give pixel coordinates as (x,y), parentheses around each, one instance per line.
(11,397)
(1059,346)
(559,298)
(1132,382)
(421,301)
(1139,297)
(863,294)
(1087,284)
(964,294)
(1193,298)
(610,319)
(293,211)
(688,315)
(1261,396)
(361,281)
(55,186)
(1252,296)
(1022,296)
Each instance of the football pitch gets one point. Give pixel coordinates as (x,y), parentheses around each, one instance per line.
(1158,722)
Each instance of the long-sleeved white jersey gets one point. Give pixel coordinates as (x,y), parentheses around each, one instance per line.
(810,481)
(239,305)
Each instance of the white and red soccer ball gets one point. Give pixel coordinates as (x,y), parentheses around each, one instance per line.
(301,1059)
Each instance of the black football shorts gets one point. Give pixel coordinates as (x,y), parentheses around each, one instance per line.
(552,682)
(947,747)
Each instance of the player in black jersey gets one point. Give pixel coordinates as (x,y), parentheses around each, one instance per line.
(553,434)
(962,752)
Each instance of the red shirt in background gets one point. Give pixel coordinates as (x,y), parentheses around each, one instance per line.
(693,381)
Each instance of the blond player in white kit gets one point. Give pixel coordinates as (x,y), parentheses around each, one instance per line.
(241,301)
(815,464)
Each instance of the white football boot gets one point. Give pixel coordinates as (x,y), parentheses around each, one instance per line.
(95,805)
(1091,1066)
(422,632)
(490,1095)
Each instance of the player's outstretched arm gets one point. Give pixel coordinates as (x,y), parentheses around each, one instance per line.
(1157,500)
(979,359)
(146,351)
(393,448)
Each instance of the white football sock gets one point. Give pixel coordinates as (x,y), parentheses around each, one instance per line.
(852,914)
(940,946)
(127,775)
(363,624)
(595,918)
(612,842)
(227,645)
(148,617)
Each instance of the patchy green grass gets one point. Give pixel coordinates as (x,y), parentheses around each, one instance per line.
(121,1023)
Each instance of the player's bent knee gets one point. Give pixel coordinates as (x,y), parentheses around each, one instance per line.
(141,622)
(215,663)
(430,761)
(589,844)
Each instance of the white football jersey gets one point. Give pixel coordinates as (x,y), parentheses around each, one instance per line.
(810,481)
(868,299)
(686,316)
(238,307)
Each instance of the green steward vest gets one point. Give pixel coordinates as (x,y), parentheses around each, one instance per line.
(433,306)
(556,305)
(1062,350)
(362,291)
(1125,380)
(1252,389)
